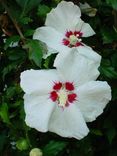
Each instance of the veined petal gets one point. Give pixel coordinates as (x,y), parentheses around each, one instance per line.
(76,68)
(40,81)
(68,122)
(63,17)
(87,30)
(38,111)
(92,99)
(90,54)
(51,37)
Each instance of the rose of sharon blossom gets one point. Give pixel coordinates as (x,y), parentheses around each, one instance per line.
(62,100)
(64,30)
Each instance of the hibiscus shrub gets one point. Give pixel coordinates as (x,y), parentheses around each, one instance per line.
(19,52)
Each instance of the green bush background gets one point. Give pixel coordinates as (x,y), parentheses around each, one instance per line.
(18,24)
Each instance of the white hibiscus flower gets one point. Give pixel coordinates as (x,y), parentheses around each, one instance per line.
(64,30)
(62,100)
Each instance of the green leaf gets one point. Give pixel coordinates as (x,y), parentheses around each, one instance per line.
(96,132)
(29,32)
(54,147)
(108,35)
(108,72)
(35,51)
(43,10)
(111,133)
(17,54)
(11,41)
(8,69)
(113,3)
(4,113)
(28,5)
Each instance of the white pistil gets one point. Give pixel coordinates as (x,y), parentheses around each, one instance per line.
(74,39)
(62,97)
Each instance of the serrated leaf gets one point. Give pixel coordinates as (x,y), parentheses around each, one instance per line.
(35,51)
(54,147)
(4,113)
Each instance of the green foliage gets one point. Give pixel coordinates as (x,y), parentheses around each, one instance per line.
(18,52)
(28,5)
(54,147)
(113,3)
(35,51)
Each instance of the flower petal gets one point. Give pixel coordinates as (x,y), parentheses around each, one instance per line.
(89,53)
(38,80)
(87,30)
(92,99)
(76,68)
(51,37)
(68,122)
(64,17)
(38,110)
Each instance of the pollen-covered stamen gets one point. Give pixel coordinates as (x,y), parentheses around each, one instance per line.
(73,39)
(63,93)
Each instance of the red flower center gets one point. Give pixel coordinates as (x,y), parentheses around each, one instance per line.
(63,93)
(73,39)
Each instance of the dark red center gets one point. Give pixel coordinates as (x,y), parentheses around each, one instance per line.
(68,95)
(77,34)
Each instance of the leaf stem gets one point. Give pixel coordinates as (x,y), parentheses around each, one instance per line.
(14,22)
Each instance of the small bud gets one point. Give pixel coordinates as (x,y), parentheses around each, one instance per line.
(22,144)
(35,152)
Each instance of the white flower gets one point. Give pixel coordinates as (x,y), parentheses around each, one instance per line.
(64,30)
(62,100)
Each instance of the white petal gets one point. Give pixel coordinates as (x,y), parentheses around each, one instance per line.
(90,54)
(38,80)
(64,16)
(92,99)
(51,37)
(68,122)
(38,111)
(87,30)
(76,68)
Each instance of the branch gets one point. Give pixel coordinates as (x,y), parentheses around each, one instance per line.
(14,21)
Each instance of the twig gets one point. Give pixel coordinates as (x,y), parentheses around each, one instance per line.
(14,22)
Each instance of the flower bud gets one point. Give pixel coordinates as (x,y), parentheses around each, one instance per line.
(35,152)
(22,144)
